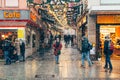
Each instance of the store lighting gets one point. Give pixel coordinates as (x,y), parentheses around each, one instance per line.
(3,36)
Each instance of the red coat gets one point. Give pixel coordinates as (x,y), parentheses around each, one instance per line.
(56,49)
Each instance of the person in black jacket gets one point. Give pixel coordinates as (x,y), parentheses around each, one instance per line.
(6,49)
(107,54)
(22,49)
(85,51)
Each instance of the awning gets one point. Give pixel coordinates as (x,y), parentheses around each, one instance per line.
(105,10)
(20,23)
(32,24)
(17,23)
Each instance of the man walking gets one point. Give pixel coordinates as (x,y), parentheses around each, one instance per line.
(85,52)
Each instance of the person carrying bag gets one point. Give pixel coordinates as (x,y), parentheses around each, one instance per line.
(57,50)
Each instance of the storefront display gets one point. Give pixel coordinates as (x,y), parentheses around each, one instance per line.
(113,32)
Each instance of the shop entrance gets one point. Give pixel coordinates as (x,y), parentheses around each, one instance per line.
(114,32)
(10,34)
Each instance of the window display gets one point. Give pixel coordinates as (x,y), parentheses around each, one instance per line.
(113,32)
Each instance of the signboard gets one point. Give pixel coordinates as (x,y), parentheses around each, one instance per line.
(21,33)
(33,17)
(108,19)
(82,21)
(14,14)
(11,14)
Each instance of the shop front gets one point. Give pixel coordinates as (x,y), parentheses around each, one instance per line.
(13,25)
(109,25)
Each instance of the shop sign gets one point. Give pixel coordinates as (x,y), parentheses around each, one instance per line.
(21,33)
(82,21)
(33,17)
(108,19)
(11,14)
(14,14)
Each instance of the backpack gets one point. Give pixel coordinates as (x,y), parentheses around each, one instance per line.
(85,45)
(90,46)
(111,46)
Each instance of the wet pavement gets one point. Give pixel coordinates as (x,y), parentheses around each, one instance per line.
(69,68)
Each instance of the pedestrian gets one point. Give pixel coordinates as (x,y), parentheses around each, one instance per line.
(57,50)
(22,49)
(85,52)
(12,49)
(17,50)
(72,37)
(59,37)
(65,40)
(90,48)
(6,50)
(107,53)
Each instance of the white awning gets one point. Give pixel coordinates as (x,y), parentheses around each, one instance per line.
(109,9)
(12,24)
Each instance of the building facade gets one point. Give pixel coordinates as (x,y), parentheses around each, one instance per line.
(14,19)
(104,20)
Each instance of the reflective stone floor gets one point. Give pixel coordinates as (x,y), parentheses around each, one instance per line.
(69,68)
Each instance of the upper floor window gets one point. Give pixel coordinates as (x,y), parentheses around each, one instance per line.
(0,3)
(114,2)
(11,3)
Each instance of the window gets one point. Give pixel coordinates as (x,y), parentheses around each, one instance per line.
(11,3)
(110,1)
(0,3)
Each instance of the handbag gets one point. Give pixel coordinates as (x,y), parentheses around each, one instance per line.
(59,52)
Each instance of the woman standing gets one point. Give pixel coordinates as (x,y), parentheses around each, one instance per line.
(17,46)
(57,50)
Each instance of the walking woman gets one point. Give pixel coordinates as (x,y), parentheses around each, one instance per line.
(57,50)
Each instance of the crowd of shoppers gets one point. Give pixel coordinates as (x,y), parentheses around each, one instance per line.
(68,39)
(13,51)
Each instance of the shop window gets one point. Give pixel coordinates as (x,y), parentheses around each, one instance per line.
(11,3)
(110,2)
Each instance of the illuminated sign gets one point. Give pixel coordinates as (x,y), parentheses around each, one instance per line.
(108,19)
(11,14)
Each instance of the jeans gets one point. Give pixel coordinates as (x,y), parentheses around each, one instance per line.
(23,55)
(57,58)
(107,61)
(86,55)
(7,58)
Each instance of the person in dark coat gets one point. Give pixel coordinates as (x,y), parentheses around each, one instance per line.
(107,54)
(85,52)
(6,49)
(22,49)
